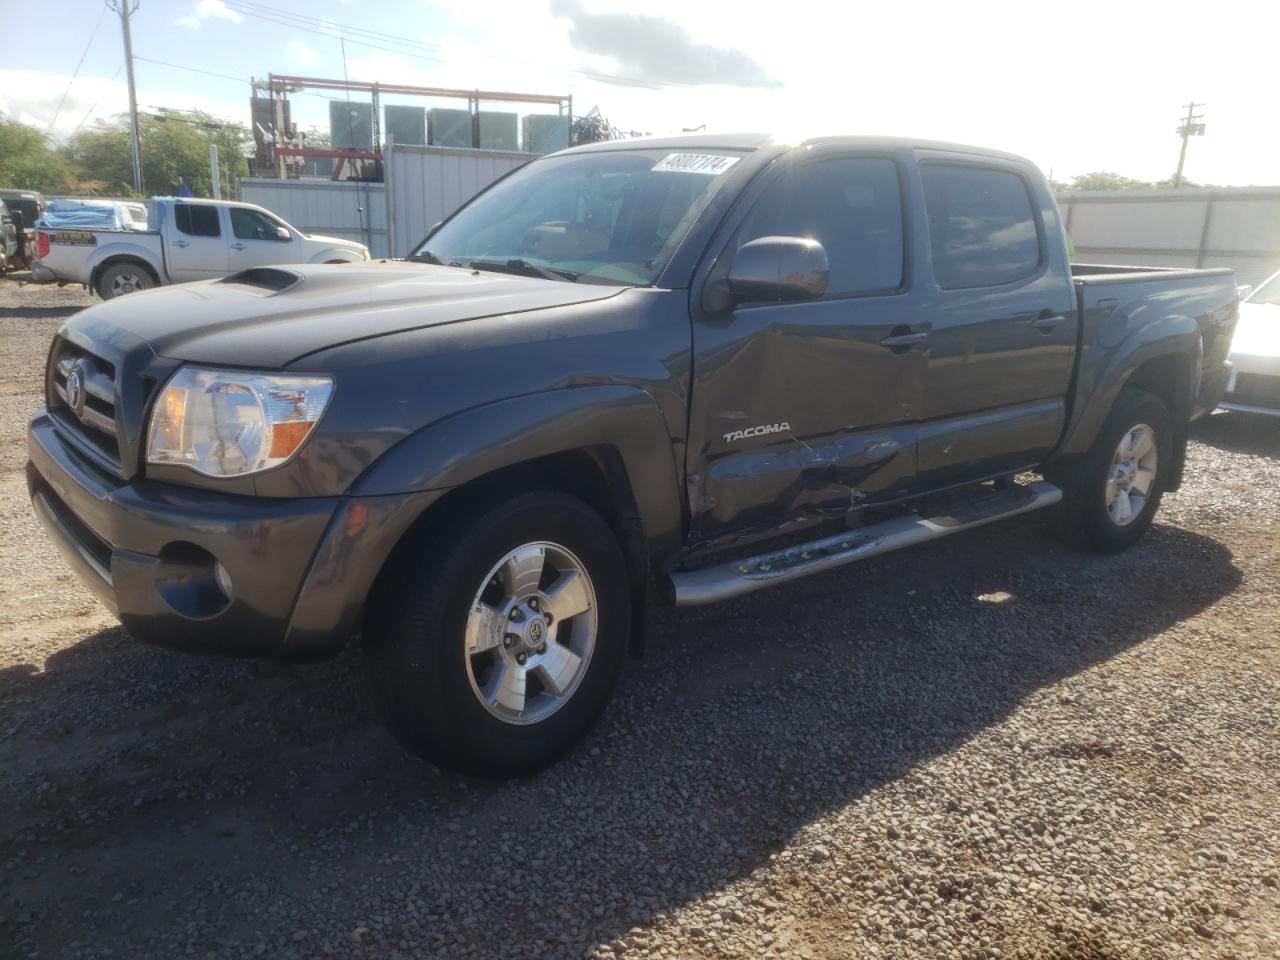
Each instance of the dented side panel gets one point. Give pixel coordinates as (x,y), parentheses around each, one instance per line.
(800,412)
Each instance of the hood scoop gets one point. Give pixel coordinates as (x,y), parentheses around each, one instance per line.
(273,279)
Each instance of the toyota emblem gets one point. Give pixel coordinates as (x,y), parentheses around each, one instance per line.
(75,390)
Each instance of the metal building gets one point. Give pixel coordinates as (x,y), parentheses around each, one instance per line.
(1237,227)
(423,185)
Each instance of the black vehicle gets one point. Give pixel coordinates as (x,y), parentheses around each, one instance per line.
(11,247)
(670,370)
(26,207)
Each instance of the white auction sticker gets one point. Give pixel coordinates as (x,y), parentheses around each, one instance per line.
(695,163)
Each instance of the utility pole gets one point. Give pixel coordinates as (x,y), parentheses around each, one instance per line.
(123,8)
(214,172)
(1192,126)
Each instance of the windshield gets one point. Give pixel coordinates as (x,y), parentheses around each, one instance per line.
(1269,292)
(607,217)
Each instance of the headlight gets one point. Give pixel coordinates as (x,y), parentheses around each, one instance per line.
(227,424)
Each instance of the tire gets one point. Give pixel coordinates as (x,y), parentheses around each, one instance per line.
(1091,514)
(123,278)
(446,704)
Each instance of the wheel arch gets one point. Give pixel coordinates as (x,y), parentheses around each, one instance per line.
(1165,365)
(607,444)
(120,258)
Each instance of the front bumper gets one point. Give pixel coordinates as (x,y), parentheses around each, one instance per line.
(298,570)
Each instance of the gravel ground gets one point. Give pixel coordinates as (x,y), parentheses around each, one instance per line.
(986,747)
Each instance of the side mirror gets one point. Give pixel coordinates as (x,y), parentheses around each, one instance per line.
(779,268)
(283,234)
(1244,290)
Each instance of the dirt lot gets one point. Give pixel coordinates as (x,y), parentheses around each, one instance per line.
(986,747)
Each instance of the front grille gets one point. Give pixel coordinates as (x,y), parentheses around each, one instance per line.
(1256,389)
(82,395)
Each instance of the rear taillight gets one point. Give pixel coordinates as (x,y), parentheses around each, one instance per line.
(42,245)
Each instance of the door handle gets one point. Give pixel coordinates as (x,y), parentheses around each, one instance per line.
(896,340)
(1046,321)
(237,246)
(180,243)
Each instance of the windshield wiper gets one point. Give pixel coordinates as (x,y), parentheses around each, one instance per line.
(426,256)
(524,267)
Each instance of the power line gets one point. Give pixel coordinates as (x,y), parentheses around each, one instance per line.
(223,76)
(377,41)
(79,64)
(96,102)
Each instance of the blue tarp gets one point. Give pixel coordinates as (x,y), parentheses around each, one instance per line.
(84,215)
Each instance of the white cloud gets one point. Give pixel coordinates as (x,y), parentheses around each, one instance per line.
(31,96)
(300,54)
(208,10)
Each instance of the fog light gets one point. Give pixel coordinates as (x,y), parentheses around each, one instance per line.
(223,576)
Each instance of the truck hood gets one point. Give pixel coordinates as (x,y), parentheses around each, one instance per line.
(334,241)
(272,316)
(1257,331)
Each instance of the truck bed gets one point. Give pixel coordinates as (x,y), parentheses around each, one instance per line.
(1117,303)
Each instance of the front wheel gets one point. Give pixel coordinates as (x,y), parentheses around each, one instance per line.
(1111,494)
(495,652)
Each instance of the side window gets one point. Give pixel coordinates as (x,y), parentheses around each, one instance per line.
(981,226)
(253,225)
(196,220)
(852,206)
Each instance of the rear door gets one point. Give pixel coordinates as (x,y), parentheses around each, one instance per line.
(255,241)
(1003,336)
(195,242)
(803,409)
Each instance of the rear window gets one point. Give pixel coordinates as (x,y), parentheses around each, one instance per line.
(29,207)
(982,226)
(196,220)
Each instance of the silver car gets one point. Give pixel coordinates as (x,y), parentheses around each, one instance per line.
(1254,386)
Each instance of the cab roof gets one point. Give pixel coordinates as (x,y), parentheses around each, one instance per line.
(759,141)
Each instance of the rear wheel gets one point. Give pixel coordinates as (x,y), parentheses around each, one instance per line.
(1111,494)
(493,654)
(121,278)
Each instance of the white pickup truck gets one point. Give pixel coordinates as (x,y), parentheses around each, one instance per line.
(187,240)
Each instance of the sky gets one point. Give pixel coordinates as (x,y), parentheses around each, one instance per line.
(1090,85)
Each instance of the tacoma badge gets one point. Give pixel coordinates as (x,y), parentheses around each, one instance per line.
(759,431)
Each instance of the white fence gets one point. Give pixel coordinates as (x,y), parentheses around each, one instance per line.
(336,208)
(1236,227)
(426,184)
(423,186)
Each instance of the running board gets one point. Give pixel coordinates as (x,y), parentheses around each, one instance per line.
(749,574)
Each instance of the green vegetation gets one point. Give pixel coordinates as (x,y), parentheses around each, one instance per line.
(1106,180)
(175,150)
(27,162)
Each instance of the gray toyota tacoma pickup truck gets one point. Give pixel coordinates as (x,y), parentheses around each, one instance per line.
(667,370)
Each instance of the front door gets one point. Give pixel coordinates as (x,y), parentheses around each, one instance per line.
(196,247)
(802,410)
(256,240)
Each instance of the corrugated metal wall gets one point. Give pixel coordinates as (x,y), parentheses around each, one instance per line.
(353,211)
(426,184)
(1237,227)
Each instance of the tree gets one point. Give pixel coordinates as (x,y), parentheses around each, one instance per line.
(27,162)
(1105,180)
(175,150)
